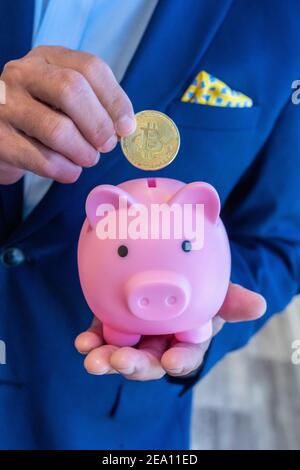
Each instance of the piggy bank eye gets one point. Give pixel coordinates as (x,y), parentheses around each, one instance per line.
(122,251)
(186,246)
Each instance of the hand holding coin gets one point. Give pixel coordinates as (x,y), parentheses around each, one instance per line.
(155,142)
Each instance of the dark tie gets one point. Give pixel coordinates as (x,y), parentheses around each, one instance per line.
(16,22)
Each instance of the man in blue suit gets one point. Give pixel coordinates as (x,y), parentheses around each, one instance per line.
(63,105)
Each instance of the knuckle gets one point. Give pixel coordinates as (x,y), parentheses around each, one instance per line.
(44,50)
(52,171)
(57,129)
(121,104)
(71,83)
(26,157)
(38,50)
(20,70)
(10,65)
(13,71)
(96,66)
(104,131)
(87,156)
(105,69)
(58,172)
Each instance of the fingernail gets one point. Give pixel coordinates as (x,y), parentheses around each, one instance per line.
(109,144)
(81,351)
(128,371)
(94,160)
(176,371)
(99,371)
(125,126)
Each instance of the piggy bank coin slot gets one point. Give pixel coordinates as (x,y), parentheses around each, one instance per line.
(151,182)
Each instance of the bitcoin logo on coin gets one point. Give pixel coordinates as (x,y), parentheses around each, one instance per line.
(155,142)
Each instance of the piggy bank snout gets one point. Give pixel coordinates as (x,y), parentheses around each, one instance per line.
(157,295)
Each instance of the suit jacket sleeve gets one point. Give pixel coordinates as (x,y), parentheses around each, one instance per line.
(262,217)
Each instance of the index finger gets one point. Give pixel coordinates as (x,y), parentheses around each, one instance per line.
(142,363)
(102,81)
(90,339)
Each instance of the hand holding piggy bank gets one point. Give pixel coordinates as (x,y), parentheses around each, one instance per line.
(140,279)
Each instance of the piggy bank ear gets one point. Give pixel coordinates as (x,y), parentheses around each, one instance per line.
(200,193)
(108,195)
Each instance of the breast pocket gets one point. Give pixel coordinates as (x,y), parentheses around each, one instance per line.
(8,376)
(8,373)
(217,144)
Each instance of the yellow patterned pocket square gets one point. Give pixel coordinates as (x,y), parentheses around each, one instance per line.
(209,90)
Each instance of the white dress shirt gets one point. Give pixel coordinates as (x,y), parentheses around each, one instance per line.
(110,29)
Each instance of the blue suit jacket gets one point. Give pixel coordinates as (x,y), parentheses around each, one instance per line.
(252,157)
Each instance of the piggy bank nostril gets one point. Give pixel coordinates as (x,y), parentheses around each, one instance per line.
(144,302)
(171,300)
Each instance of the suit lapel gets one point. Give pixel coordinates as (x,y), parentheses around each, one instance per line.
(176,38)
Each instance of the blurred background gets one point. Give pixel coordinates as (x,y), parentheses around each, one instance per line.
(251,400)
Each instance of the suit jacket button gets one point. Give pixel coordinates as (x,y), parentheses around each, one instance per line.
(12,257)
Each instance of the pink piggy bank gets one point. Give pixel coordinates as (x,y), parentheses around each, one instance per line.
(142,274)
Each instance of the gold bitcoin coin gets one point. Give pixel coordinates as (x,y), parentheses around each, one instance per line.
(155,142)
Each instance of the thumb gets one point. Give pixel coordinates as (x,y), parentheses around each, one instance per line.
(242,304)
